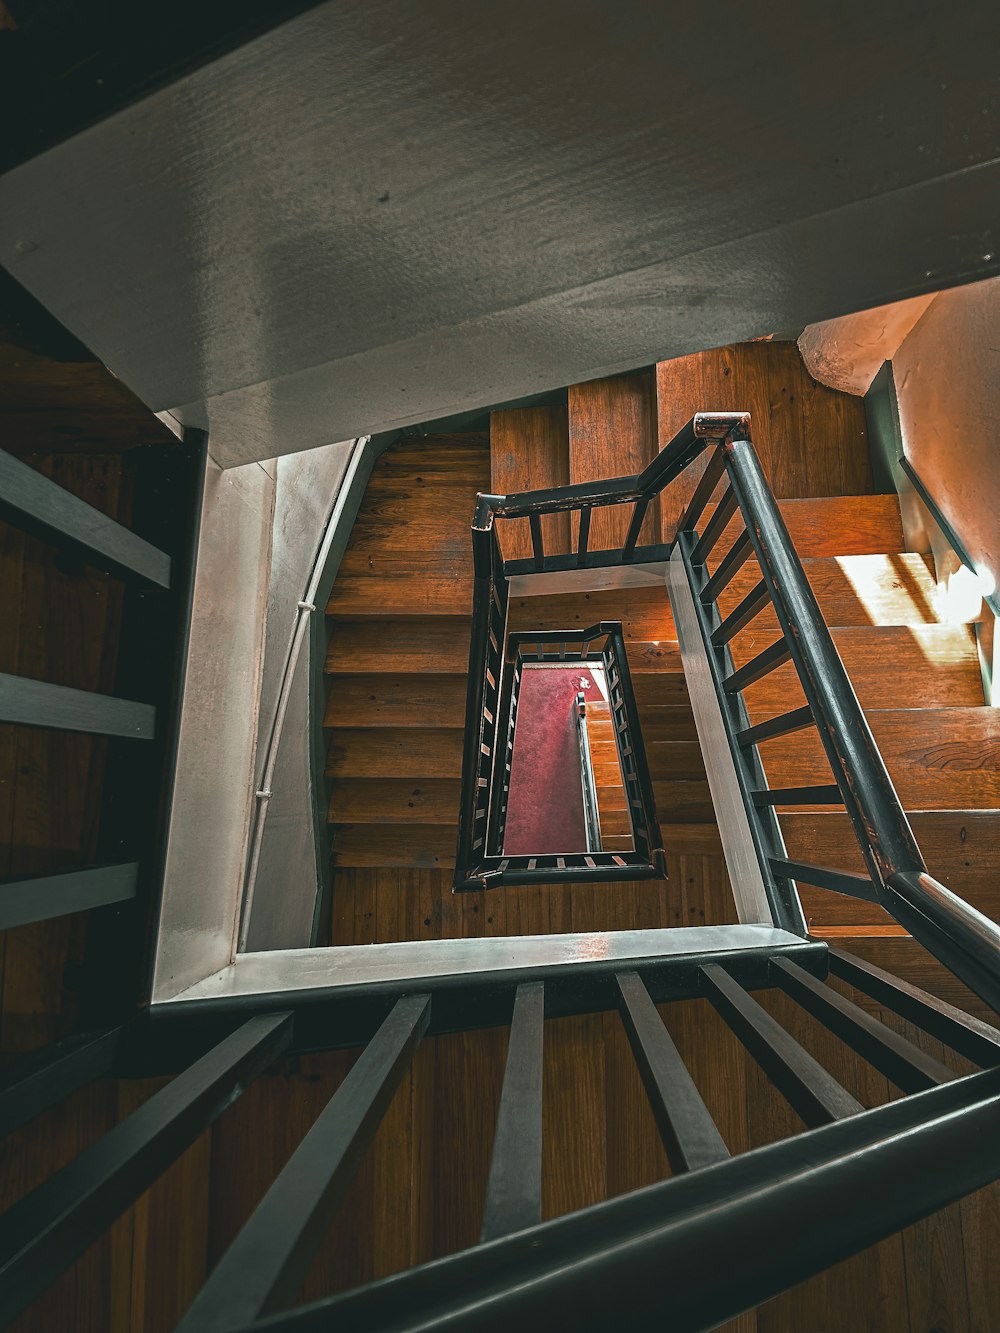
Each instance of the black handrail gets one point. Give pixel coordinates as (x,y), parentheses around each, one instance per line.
(960,936)
(483,698)
(954,931)
(480,860)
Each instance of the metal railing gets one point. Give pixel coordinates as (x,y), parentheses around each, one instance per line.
(963,938)
(588,784)
(599,1266)
(960,936)
(602,1265)
(481,861)
(154,562)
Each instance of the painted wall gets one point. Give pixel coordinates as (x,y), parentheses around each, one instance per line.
(286,880)
(260,530)
(947,373)
(847,353)
(210,816)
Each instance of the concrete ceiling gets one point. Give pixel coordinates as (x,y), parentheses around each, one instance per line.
(382,213)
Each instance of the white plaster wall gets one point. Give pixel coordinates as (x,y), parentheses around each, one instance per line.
(286,881)
(947,373)
(260,530)
(846,353)
(203,876)
(306,487)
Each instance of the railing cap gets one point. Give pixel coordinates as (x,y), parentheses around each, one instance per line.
(719,425)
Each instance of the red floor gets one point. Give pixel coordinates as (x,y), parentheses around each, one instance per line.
(545,806)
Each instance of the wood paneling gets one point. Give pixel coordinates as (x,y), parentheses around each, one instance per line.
(529,451)
(811,439)
(612,433)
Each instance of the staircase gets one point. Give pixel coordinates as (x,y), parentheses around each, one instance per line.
(399,622)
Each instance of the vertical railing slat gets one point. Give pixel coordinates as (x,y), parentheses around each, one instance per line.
(265,1265)
(44,1232)
(812,1092)
(689,1133)
(514,1191)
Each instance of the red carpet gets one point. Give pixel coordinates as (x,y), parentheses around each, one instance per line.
(545,806)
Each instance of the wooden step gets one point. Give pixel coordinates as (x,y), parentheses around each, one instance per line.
(431,554)
(667,722)
(682,802)
(612,433)
(654,658)
(396,801)
(395,752)
(831,526)
(445,454)
(400,596)
(961,849)
(668,760)
(933,666)
(429,847)
(529,451)
(396,701)
(852,590)
(385,647)
(611,797)
(909,961)
(433,846)
(644,612)
(616,842)
(938,758)
(615,823)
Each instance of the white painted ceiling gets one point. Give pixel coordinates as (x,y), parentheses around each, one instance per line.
(386,212)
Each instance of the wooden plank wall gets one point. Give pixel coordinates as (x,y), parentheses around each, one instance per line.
(65,415)
(811,439)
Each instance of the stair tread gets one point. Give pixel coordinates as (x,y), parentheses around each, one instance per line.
(644,612)
(395,752)
(935,665)
(357,800)
(834,525)
(400,596)
(960,847)
(938,758)
(385,647)
(666,759)
(404,700)
(896,589)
